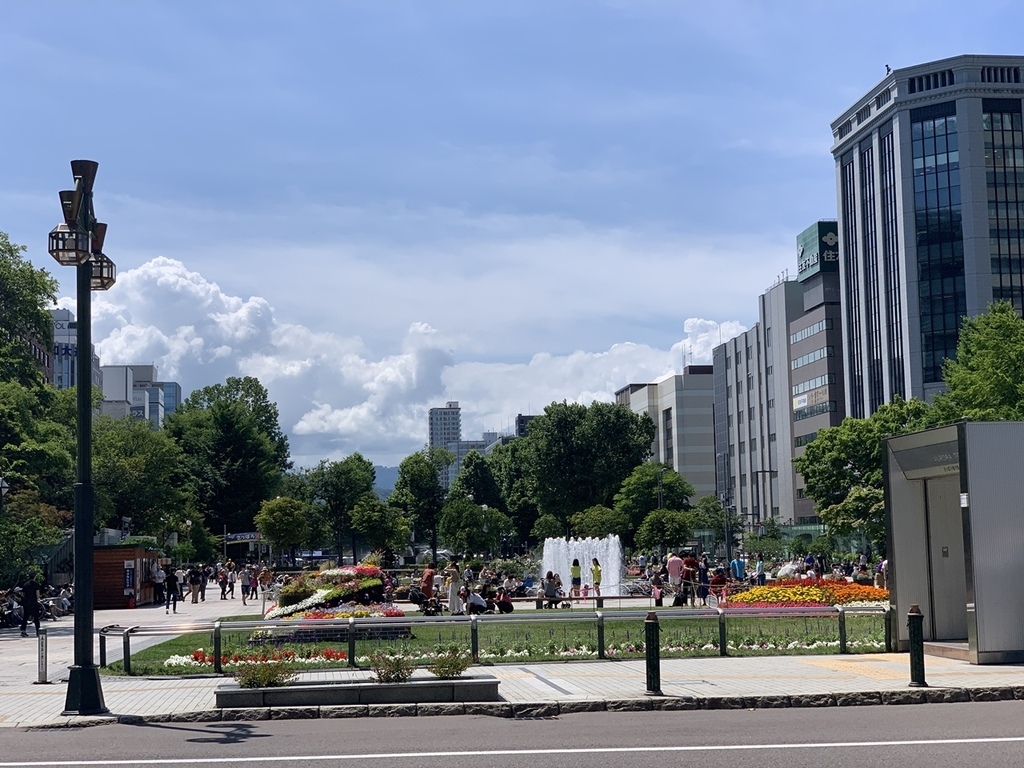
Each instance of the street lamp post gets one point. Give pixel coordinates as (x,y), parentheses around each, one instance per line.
(78,242)
(3,492)
(661,495)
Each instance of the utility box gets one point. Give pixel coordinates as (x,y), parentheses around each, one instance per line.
(954,500)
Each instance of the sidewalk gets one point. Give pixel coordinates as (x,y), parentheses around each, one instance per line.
(529,689)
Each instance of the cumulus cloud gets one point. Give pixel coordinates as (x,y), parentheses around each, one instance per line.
(335,394)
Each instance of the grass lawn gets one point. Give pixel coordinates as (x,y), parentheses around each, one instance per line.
(529,641)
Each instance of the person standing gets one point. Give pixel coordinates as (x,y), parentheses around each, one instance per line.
(595,577)
(674,566)
(30,607)
(232,579)
(159,578)
(427,580)
(738,568)
(454,579)
(575,577)
(222,581)
(245,579)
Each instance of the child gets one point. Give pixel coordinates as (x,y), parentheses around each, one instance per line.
(586,591)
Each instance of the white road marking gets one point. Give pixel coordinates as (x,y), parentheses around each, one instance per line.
(516,752)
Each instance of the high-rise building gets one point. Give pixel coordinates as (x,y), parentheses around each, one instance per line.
(930,181)
(65,352)
(753,418)
(682,409)
(815,349)
(444,427)
(135,390)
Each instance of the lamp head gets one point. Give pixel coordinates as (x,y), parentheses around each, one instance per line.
(104,272)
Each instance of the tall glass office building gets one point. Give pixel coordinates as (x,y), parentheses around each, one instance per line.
(930,183)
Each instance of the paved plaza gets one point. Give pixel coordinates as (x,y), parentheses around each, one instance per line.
(544,687)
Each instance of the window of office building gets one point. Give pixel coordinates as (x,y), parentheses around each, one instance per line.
(891,255)
(1004,173)
(851,267)
(940,245)
(869,249)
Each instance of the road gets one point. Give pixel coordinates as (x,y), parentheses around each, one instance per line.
(932,735)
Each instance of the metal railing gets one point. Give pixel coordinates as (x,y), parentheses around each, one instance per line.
(354,627)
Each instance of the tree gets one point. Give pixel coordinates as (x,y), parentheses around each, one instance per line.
(510,468)
(547,527)
(25,295)
(418,490)
(580,455)
(842,469)
(665,530)
(27,528)
(253,398)
(336,488)
(710,515)
(986,380)
(383,527)
(229,464)
(282,521)
(475,481)
(599,521)
(136,471)
(471,528)
(649,487)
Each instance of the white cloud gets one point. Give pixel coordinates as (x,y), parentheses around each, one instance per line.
(335,395)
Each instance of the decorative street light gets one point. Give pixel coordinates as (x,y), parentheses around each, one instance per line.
(78,242)
(3,492)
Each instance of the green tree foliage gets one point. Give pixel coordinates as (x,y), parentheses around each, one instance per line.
(842,469)
(382,527)
(599,521)
(418,491)
(253,398)
(639,494)
(282,521)
(665,530)
(581,455)
(986,380)
(36,452)
(710,515)
(229,463)
(25,295)
(476,481)
(547,527)
(336,487)
(469,528)
(137,474)
(27,528)
(510,468)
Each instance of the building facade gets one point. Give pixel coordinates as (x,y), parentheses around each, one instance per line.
(64,371)
(817,381)
(682,409)
(135,390)
(930,187)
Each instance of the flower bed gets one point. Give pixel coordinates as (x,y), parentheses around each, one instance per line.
(336,593)
(809,593)
(201,658)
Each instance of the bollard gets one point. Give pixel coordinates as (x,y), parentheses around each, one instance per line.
(915,628)
(723,634)
(103,649)
(218,664)
(474,638)
(600,635)
(41,635)
(652,648)
(843,647)
(890,618)
(126,651)
(351,641)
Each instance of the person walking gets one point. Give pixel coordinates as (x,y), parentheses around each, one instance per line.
(245,579)
(171,592)
(595,577)
(30,607)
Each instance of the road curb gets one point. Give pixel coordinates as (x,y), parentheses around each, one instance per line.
(550,709)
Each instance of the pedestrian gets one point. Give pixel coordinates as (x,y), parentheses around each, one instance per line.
(172,592)
(595,577)
(245,579)
(454,579)
(195,580)
(575,576)
(674,568)
(159,578)
(180,573)
(427,580)
(222,581)
(232,578)
(30,607)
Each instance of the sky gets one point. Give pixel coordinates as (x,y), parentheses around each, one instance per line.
(376,208)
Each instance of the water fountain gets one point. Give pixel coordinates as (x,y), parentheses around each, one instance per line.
(559,554)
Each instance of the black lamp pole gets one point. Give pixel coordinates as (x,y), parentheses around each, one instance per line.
(78,242)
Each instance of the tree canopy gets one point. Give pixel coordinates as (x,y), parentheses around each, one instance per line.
(336,487)
(650,487)
(25,295)
(418,490)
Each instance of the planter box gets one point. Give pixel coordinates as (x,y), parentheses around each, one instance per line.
(417,691)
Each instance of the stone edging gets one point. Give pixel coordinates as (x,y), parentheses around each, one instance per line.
(545,709)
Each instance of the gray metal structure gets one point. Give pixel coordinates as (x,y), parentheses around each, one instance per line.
(955,506)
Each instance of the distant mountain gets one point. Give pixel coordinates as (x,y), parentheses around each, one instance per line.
(386,479)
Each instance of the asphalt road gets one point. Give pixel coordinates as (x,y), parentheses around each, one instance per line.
(932,735)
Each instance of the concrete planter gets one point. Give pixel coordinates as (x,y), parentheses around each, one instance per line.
(418,691)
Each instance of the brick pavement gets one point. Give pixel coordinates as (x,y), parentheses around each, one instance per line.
(527,688)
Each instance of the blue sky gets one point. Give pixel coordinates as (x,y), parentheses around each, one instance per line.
(379,207)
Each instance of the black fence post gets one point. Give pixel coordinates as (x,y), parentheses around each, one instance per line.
(474,638)
(351,641)
(915,628)
(842,629)
(723,634)
(218,666)
(652,648)
(600,635)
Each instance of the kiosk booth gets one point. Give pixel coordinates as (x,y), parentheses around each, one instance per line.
(955,509)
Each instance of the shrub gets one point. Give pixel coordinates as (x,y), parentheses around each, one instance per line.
(450,661)
(295,592)
(391,668)
(264,675)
